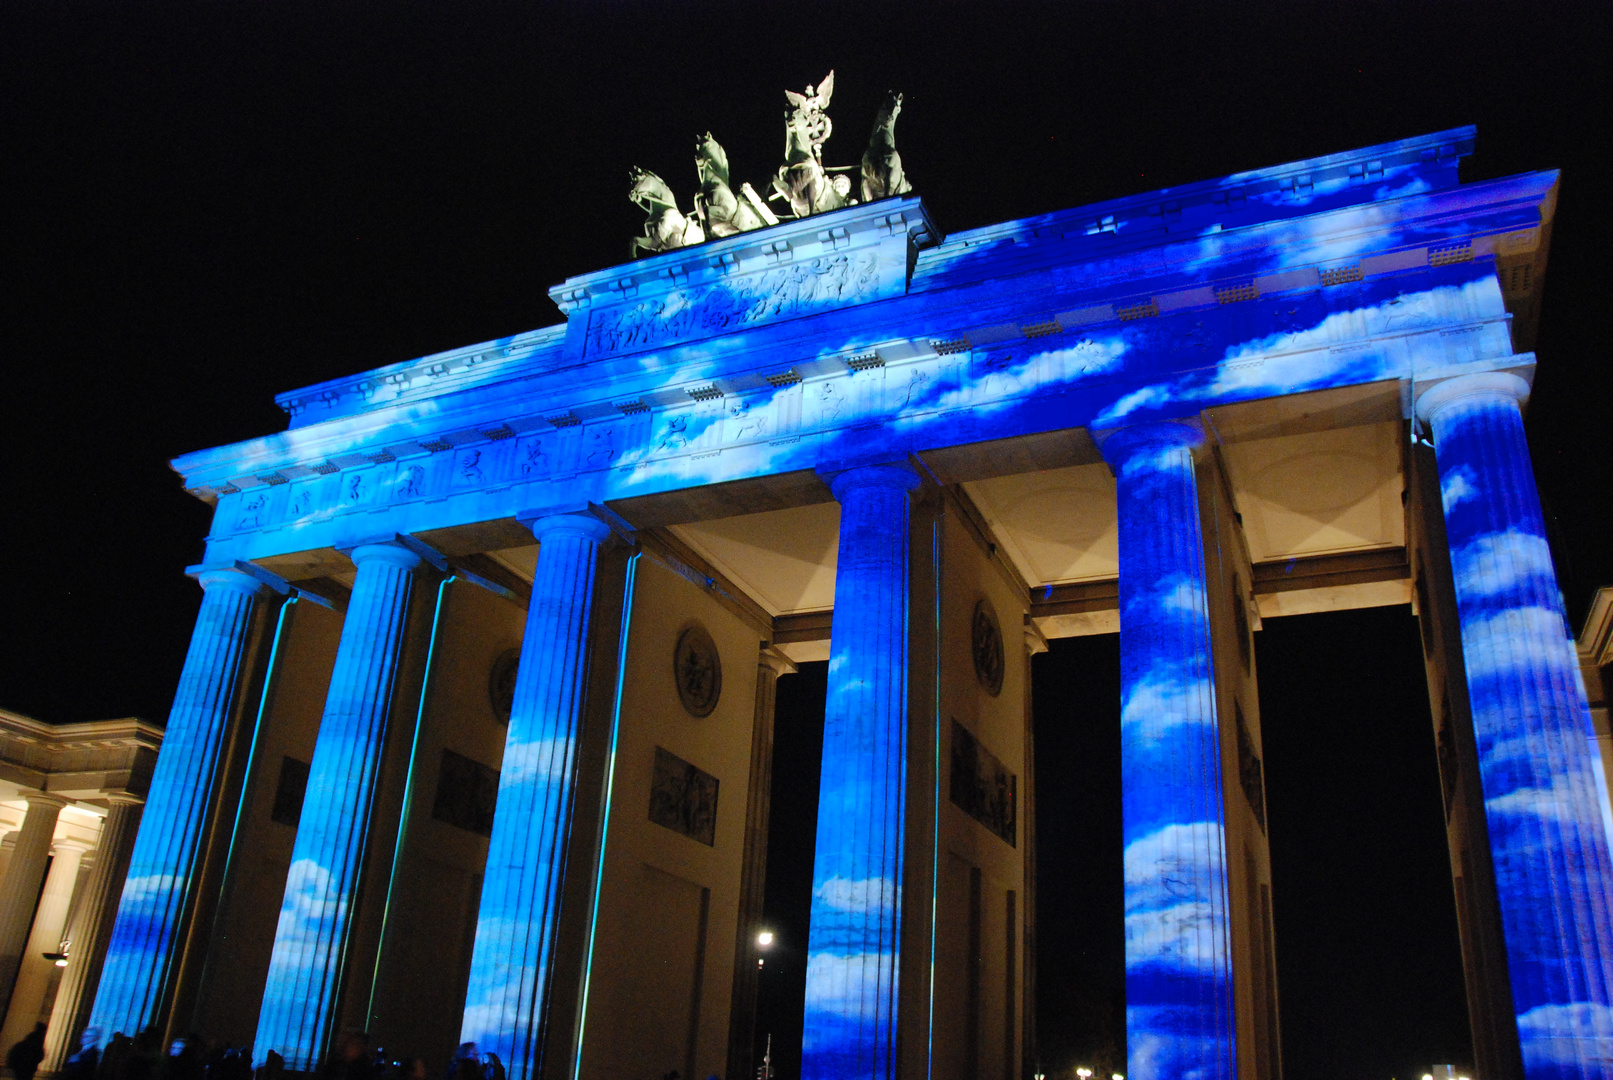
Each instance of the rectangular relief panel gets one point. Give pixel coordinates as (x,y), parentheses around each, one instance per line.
(982,787)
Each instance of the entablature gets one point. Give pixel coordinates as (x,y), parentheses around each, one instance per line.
(803,362)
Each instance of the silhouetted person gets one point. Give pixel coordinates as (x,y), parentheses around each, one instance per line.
(230,1065)
(467,1063)
(23,1059)
(185,1057)
(492,1067)
(144,1060)
(116,1054)
(273,1067)
(350,1059)
(412,1069)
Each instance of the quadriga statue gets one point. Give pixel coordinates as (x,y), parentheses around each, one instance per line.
(803,181)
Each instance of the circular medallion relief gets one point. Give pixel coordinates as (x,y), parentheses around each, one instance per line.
(501,684)
(986,642)
(698,670)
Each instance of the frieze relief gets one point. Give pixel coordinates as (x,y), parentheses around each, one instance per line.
(859,395)
(784,292)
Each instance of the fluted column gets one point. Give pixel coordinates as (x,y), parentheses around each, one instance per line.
(135,974)
(310,940)
(1533,728)
(90,928)
(512,964)
(753,874)
(853,944)
(50,922)
(1179,1019)
(20,889)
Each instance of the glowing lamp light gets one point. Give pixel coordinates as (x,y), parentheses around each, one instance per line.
(765,938)
(57,958)
(1084,1074)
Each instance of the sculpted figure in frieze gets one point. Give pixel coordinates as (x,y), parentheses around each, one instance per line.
(882,165)
(666,229)
(786,291)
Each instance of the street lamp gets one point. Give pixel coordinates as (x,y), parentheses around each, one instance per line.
(765,938)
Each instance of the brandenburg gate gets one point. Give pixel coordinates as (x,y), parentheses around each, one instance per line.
(474,737)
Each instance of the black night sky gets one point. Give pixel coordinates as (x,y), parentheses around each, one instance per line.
(207,203)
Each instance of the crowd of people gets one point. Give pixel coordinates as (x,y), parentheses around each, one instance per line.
(192,1058)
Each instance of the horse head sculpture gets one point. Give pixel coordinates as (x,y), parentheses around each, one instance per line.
(882,165)
(723,212)
(666,228)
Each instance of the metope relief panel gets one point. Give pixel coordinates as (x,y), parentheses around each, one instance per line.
(480,465)
(307,498)
(749,418)
(366,487)
(828,404)
(254,508)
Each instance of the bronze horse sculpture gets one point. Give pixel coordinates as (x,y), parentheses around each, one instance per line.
(723,212)
(666,228)
(882,165)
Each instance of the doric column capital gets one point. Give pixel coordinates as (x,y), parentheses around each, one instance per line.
(70,843)
(895,475)
(44,800)
(772,660)
(1035,640)
(229,579)
(1119,444)
(124,798)
(584,525)
(1499,385)
(386,553)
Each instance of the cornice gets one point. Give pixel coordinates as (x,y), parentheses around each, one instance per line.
(127,732)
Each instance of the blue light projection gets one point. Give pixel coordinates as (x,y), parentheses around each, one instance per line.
(512,962)
(859,336)
(162,867)
(1532,724)
(853,941)
(1179,1018)
(310,940)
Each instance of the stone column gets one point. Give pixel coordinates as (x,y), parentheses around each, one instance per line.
(854,941)
(50,923)
(1533,730)
(512,963)
(91,927)
(154,897)
(753,875)
(20,889)
(305,968)
(1179,1018)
